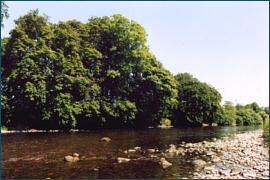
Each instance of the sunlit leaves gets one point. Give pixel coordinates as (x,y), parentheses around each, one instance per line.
(198,102)
(4,13)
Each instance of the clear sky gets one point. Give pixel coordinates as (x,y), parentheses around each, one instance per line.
(222,43)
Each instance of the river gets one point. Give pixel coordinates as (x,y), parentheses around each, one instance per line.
(40,155)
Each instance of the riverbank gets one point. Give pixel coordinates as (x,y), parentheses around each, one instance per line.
(176,148)
(34,131)
(246,156)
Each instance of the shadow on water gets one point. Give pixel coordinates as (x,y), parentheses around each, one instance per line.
(40,155)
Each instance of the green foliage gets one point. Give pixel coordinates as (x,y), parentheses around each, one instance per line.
(44,84)
(94,75)
(254,106)
(198,102)
(165,122)
(100,75)
(248,116)
(4,128)
(229,116)
(4,13)
(266,131)
(266,109)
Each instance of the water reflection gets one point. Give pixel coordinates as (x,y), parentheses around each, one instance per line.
(40,155)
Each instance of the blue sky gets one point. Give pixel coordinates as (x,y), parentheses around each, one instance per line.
(222,43)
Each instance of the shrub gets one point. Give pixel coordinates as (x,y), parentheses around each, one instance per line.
(266,131)
(4,128)
(165,122)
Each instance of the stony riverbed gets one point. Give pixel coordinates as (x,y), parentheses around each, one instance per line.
(238,156)
(210,153)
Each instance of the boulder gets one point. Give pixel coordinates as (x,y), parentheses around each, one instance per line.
(137,148)
(120,159)
(250,174)
(164,163)
(225,172)
(198,162)
(265,173)
(151,150)
(105,139)
(210,168)
(131,151)
(236,170)
(215,159)
(70,159)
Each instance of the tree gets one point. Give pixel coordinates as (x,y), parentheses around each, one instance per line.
(198,102)
(4,13)
(44,83)
(229,116)
(248,117)
(23,73)
(128,73)
(255,107)
(266,109)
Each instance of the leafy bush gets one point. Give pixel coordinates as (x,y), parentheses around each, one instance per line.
(165,122)
(4,128)
(266,131)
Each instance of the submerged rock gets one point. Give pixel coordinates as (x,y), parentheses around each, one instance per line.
(120,159)
(70,159)
(164,163)
(105,139)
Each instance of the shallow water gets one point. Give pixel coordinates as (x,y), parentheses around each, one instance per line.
(40,155)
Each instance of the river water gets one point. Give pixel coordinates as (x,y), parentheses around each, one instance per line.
(40,155)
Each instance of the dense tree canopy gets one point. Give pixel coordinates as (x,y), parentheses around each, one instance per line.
(198,102)
(100,74)
(229,116)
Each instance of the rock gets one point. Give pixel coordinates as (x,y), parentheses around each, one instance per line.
(236,170)
(142,158)
(225,172)
(189,145)
(204,142)
(70,159)
(105,139)
(137,148)
(198,162)
(209,153)
(215,159)
(210,168)
(150,150)
(249,174)
(164,163)
(265,173)
(131,151)
(120,159)
(95,169)
(190,150)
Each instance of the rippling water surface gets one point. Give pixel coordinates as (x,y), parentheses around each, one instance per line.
(40,155)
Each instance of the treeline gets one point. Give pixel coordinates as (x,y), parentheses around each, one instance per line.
(95,75)
(248,114)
